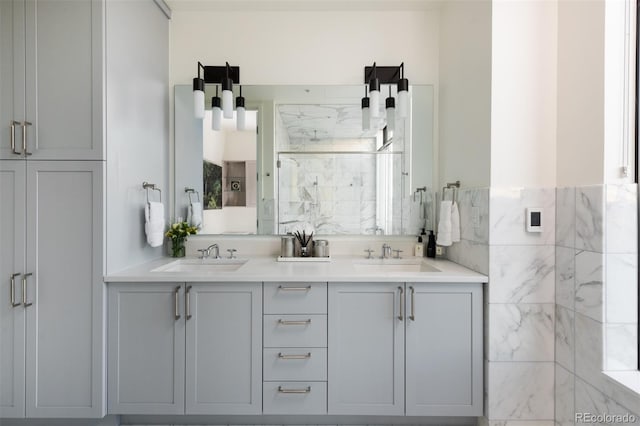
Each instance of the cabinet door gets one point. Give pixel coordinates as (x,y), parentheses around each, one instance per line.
(65,257)
(64,79)
(444,350)
(224,348)
(366,349)
(12,75)
(146,349)
(12,331)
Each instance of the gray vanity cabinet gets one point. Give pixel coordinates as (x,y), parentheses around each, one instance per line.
(146,337)
(375,328)
(443,349)
(51,86)
(366,349)
(193,348)
(51,251)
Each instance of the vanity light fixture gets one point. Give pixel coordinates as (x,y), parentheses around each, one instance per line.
(375,76)
(216,110)
(374,92)
(391,112)
(198,95)
(366,115)
(403,94)
(241,116)
(224,75)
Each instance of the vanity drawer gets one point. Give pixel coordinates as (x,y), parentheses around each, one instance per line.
(295,364)
(294,397)
(295,298)
(295,331)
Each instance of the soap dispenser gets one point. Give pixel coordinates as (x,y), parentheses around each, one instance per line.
(418,250)
(431,245)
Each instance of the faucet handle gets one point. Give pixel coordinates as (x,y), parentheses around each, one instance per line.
(203,253)
(231,251)
(397,252)
(369,251)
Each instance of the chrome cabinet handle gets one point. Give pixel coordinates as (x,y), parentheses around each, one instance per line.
(187,301)
(301,322)
(412,317)
(400,317)
(13,136)
(13,290)
(24,290)
(24,138)
(176,306)
(301,356)
(304,390)
(307,288)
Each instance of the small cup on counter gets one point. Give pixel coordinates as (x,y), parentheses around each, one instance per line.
(320,248)
(287,246)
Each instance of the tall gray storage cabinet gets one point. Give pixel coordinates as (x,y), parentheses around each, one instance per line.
(53,172)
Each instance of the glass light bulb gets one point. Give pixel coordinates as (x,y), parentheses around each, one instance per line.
(403,104)
(216,119)
(227,103)
(366,119)
(374,103)
(198,104)
(241,118)
(391,119)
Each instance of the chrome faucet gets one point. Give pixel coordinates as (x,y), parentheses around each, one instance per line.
(386,251)
(206,253)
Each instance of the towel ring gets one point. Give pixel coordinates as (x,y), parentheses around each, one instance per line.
(151,186)
(454,186)
(191,191)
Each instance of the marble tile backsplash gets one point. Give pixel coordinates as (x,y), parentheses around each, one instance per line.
(596,299)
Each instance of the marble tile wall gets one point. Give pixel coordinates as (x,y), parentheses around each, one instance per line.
(596,300)
(520,309)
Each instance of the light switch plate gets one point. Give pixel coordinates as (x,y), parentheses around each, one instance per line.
(534,219)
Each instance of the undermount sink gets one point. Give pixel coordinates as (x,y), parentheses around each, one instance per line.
(393,265)
(202,265)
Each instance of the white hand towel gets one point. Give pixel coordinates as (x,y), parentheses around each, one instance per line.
(455,223)
(444,226)
(154,223)
(194,215)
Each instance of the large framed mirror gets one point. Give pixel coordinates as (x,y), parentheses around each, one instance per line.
(303,159)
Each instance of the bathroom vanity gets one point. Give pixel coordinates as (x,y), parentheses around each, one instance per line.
(385,337)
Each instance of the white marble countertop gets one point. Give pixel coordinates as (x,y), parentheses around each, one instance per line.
(343,268)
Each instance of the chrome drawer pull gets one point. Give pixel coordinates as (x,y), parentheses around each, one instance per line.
(13,136)
(302,322)
(412,317)
(176,306)
(24,290)
(283,390)
(303,356)
(24,138)
(307,288)
(400,317)
(13,290)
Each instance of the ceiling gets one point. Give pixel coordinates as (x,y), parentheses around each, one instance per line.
(285,5)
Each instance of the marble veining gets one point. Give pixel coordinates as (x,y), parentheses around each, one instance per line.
(589,218)
(589,284)
(621,288)
(565,277)
(565,217)
(521,390)
(588,344)
(522,274)
(521,332)
(590,400)
(622,218)
(469,199)
(470,254)
(508,213)
(565,390)
(565,337)
(621,343)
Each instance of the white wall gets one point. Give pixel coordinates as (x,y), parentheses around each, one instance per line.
(580,92)
(464,117)
(137,122)
(523,93)
(304,47)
